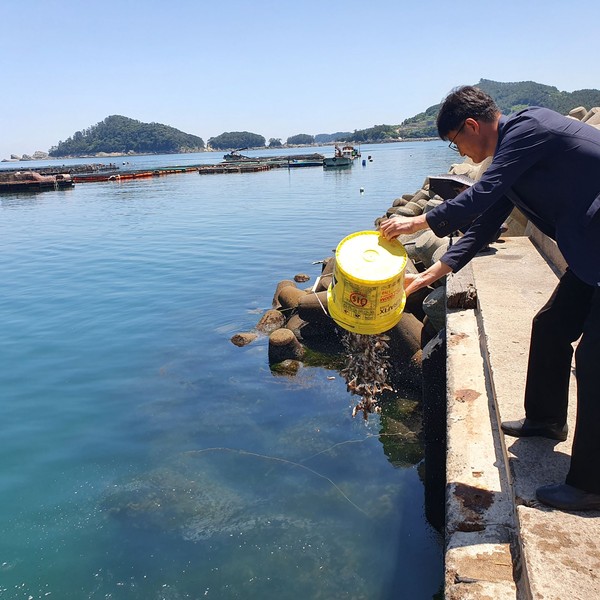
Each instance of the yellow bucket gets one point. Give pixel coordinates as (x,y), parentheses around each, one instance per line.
(366,294)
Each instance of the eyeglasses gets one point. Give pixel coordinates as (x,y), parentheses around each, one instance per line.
(452,145)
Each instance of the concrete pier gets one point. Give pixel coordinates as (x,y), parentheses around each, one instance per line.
(500,542)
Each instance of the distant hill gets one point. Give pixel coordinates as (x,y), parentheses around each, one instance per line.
(327,138)
(117,134)
(509,97)
(231,140)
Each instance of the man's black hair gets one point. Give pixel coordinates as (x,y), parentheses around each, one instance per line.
(462,103)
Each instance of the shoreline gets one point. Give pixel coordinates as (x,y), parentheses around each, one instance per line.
(284,147)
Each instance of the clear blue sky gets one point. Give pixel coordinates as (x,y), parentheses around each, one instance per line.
(271,67)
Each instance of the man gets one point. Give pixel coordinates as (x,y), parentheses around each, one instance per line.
(548,166)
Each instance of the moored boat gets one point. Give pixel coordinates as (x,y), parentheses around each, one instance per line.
(337,161)
(235,156)
(294,163)
(350,151)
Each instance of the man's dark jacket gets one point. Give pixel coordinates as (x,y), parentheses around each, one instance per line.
(548,166)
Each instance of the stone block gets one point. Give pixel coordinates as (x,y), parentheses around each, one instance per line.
(412,209)
(578,113)
(593,117)
(271,320)
(432,203)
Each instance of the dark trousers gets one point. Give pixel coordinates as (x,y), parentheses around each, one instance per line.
(572,311)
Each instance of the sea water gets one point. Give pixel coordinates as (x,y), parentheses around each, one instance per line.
(145,456)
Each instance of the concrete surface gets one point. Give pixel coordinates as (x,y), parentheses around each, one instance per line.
(500,542)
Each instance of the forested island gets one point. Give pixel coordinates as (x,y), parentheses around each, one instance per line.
(122,135)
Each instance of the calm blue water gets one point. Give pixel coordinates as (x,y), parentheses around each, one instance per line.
(143,455)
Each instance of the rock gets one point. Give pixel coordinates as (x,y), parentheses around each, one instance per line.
(243,339)
(328,266)
(313,307)
(284,345)
(481,168)
(578,113)
(289,297)
(295,324)
(426,244)
(401,201)
(410,247)
(420,195)
(280,286)
(301,277)
(270,321)
(324,283)
(405,339)
(592,117)
(414,303)
(465,168)
(435,307)
(15,157)
(411,209)
(432,204)
(286,367)
(26,157)
(439,252)
(39,155)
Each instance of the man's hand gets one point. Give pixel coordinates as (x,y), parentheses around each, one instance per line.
(398,225)
(414,282)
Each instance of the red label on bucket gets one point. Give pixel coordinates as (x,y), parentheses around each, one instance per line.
(358,299)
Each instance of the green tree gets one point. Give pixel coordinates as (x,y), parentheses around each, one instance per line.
(123,135)
(275,143)
(327,138)
(231,140)
(302,139)
(378,133)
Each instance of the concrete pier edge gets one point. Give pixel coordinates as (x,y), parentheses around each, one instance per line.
(500,543)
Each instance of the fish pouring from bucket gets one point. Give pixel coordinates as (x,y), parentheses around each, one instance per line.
(366,371)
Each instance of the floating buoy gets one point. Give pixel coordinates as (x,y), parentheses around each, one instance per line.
(362,190)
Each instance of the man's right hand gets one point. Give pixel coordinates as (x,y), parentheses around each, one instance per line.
(399,225)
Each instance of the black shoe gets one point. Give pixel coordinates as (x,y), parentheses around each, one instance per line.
(566,497)
(529,428)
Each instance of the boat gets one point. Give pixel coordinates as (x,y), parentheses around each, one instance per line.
(235,156)
(350,152)
(337,161)
(308,162)
(30,181)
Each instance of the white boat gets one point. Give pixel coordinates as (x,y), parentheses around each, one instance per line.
(350,152)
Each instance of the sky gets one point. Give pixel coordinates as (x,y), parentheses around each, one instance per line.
(271,67)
